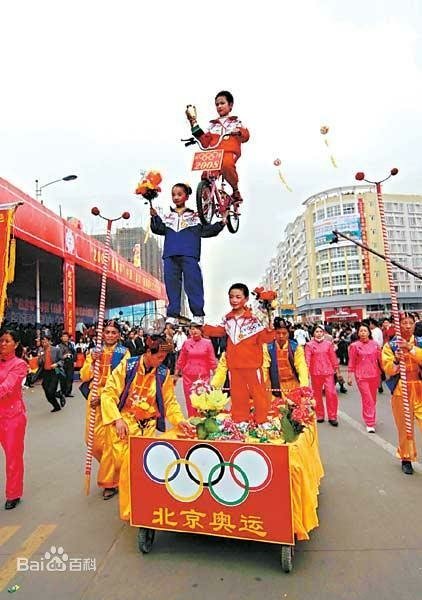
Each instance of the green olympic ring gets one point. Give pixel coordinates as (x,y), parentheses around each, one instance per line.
(216,496)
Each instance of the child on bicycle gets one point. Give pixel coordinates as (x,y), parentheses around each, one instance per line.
(244,355)
(230,131)
(182,231)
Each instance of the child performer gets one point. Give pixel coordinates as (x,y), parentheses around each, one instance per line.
(232,133)
(244,355)
(182,232)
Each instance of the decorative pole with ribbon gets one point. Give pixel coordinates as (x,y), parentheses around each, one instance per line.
(101,312)
(394,300)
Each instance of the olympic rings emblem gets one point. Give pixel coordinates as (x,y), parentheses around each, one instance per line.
(229,482)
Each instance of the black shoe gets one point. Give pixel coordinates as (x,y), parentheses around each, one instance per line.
(320,420)
(62,401)
(406,467)
(333,422)
(343,390)
(69,395)
(380,390)
(56,409)
(11,504)
(109,493)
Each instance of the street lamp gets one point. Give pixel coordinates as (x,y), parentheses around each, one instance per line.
(39,187)
(408,418)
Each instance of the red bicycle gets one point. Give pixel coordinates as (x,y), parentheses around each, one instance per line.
(211,198)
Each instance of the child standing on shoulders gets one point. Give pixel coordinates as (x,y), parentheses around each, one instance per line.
(182,231)
(232,133)
(244,356)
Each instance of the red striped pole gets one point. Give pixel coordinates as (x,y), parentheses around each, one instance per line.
(394,300)
(101,314)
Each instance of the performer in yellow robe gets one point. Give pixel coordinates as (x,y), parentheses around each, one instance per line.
(111,355)
(137,399)
(411,349)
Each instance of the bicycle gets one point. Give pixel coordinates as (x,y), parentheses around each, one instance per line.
(211,198)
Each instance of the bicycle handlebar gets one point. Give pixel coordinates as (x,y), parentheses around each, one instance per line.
(191,141)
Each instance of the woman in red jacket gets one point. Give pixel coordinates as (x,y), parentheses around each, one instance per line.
(323,363)
(13,371)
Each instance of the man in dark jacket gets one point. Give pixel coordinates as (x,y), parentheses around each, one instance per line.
(50,358)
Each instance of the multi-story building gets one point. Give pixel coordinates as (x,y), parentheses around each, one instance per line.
(321,278)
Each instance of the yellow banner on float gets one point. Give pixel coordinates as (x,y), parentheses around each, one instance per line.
(6,219)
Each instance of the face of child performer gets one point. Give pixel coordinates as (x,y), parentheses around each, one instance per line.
(179,196)
(237,299)
(319,334)
(223,106)
(110,335)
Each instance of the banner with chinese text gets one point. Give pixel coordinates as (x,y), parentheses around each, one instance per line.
(220,488)
(6,218)
(69,297)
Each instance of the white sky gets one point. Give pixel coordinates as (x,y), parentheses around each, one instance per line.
(99,88)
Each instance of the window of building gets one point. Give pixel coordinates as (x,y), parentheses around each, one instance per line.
(325,269)
(338,279)
(338,265)
(323,255)
(355,290)
(320,214)
(325,281)
(353,265)
(333,211)
(349,209)
(342,292)
(352,251)
(354,278)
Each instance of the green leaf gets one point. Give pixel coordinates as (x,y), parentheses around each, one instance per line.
(288,431)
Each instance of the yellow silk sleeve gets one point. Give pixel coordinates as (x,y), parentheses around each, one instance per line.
(301,366)
(220,373)
(387,359)
(111,393)
(87,370)
(172,410)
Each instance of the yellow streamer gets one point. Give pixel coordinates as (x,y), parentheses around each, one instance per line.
(12,261)
(286,185)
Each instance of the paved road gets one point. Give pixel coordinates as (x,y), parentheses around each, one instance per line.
(368,545)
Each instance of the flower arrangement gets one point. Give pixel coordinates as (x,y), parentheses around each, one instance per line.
(141,408)
(266,301)
(296,410)
(208,403)
(149,188)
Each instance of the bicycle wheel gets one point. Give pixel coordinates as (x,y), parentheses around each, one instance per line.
(205,202)
(233,222)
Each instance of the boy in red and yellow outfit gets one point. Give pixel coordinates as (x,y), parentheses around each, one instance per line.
(230,130)
(244,356)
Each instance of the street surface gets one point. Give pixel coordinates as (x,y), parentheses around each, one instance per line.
(368,545)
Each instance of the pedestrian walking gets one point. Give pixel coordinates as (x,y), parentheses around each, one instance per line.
(13,371)
(364,363)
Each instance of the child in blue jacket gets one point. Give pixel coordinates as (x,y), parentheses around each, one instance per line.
(182,232)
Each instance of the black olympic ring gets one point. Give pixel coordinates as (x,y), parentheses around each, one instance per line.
(220,460)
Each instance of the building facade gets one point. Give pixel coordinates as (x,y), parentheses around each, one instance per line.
(321,278)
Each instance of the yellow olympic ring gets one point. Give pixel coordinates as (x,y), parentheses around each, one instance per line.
(183,461)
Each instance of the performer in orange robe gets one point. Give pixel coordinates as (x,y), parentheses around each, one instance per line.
(244,356)
(111,355)
(410,348)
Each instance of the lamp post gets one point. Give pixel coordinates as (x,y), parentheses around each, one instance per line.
(39,188)
(360,176)
(101,311)
(38,191)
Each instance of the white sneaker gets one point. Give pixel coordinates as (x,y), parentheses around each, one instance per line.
(172,321)
(370,429)
(198,321)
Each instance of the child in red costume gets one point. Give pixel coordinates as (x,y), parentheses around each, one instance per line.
(245,336)
(234,134)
